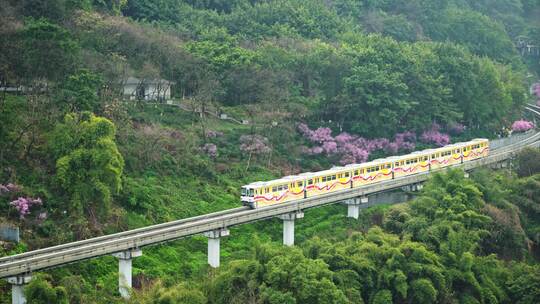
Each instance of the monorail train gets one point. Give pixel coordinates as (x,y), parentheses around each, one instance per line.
(289,188)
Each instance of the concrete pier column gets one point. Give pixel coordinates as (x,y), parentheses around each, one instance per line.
(17,288)
(288,226)
(353,208)
(213,245)
(124,270)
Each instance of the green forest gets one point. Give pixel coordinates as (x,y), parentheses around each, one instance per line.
(262,89)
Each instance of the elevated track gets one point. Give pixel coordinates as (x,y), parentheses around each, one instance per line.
(28,262)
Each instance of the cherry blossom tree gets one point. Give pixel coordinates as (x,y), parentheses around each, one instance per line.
(23,205)
(434,136)
(210,150)
(351,148)
(254,145)
(522,125)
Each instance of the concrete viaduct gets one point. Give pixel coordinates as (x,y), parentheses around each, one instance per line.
(126,246)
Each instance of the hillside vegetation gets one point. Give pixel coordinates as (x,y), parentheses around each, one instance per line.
(320,83)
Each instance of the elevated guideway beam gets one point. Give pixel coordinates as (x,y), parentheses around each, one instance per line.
(29,262)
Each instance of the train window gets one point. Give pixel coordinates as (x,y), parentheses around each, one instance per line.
(425,158)
(377,168)
(310,182)
(274,189)
(285,187)
(396,164)
(346,174)
(356,172)
(333,177)
(300,184)
(324,179)
(388,166)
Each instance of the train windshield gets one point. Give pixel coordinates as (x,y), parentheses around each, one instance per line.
(248,192)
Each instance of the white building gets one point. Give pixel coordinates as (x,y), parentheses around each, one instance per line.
(147,89)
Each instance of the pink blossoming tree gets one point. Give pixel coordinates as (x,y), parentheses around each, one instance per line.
(434,136)
(210,150)
(350,148)
(522,125)
(23,205)
(254,145)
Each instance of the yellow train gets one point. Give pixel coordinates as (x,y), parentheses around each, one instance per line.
(289,188)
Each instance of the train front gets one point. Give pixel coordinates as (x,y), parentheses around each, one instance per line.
(247,196)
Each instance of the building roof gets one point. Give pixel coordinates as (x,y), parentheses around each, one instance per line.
(136,81)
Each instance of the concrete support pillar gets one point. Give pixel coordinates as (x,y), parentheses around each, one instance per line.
(466,174)
(213,245)
(124,270)
(288,226)
(17,288)
(353,208)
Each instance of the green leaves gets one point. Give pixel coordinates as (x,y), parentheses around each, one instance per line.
(80,92)
(48,51)
(88,164)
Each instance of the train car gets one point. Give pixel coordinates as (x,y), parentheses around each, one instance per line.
(310,184)
(411,164)
(260,194)
(477,148)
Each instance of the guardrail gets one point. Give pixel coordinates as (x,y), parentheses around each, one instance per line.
(72,252)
